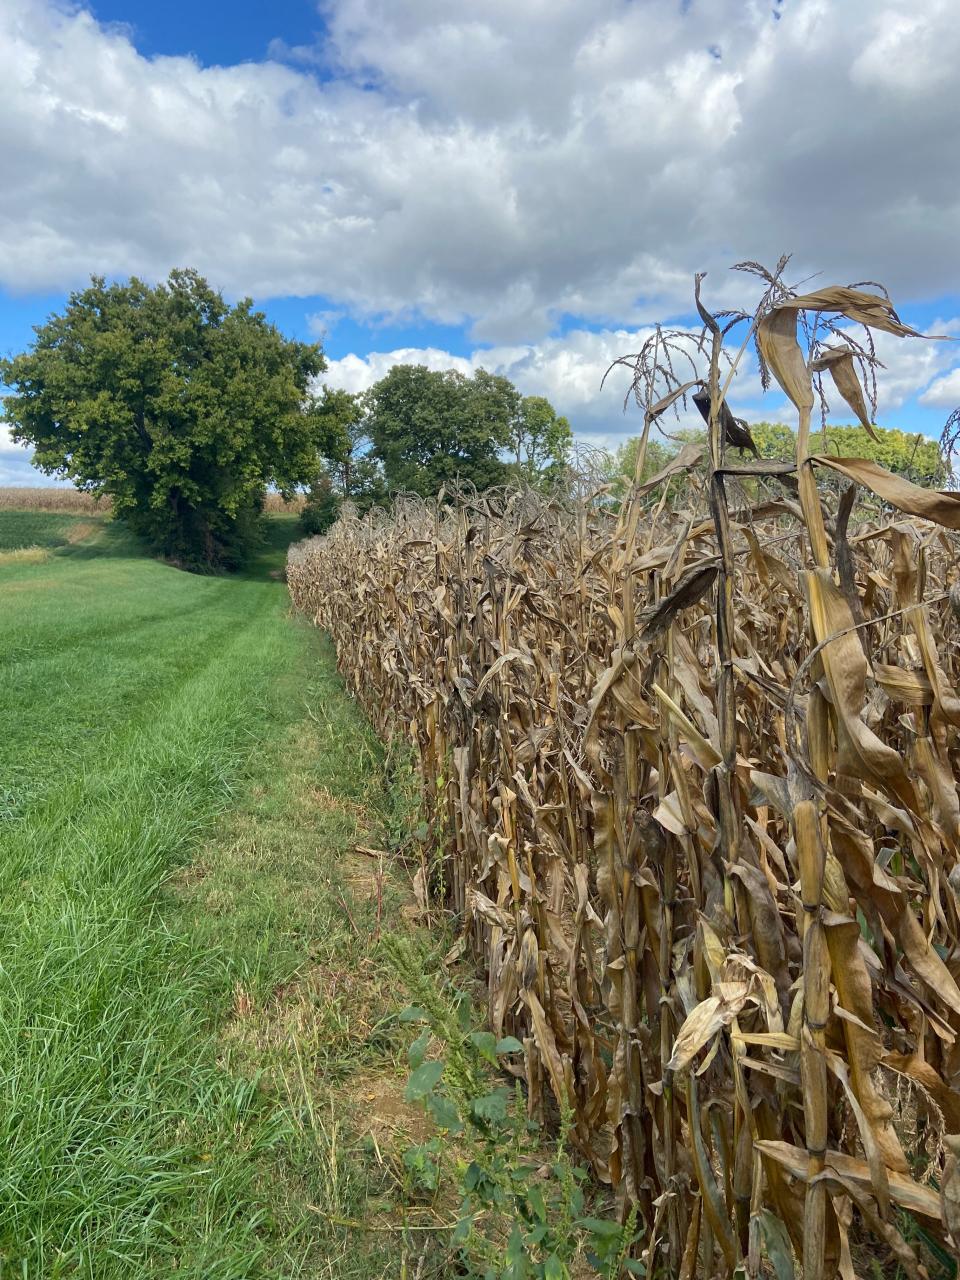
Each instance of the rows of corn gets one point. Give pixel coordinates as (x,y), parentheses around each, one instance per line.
(51,498)
(693,762)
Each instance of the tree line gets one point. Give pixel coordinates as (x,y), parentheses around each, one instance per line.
(185,411)
(915,457)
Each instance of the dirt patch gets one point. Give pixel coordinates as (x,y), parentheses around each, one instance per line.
(381,1111)
(326,802)
(325,1008)
(188,877)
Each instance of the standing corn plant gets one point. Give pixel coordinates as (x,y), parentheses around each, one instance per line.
(692,760)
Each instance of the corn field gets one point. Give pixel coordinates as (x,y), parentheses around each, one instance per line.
(276,504)
(692,760)
(50,498)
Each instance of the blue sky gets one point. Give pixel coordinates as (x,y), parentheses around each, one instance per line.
(216,34)
(526,187)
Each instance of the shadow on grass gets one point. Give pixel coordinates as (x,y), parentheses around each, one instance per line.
(279,531)
(114,540)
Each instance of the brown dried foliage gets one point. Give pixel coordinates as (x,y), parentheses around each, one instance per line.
(695,778)
(276,504)
(50,498)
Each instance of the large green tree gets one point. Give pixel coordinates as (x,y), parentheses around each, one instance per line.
(183,409)
(429,429)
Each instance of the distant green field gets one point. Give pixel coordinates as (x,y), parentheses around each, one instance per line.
(47,529)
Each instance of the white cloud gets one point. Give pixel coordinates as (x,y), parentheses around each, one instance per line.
(910,364)
(15,466)
(569,371)
(491,162)
(944,393)
(502,165)
(322,323)
(357,373)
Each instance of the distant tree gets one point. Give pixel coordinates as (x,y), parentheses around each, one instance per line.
(540,442)
(658,454)
(429,429)
(916,457)
(341,412)
(349,472)
(181,408)
(774,440)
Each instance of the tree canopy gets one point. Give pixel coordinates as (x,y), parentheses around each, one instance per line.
(353,472)
(914,456)
(540,441)
(181,408)
(429,429)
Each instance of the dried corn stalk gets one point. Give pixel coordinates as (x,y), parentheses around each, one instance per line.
(693,769)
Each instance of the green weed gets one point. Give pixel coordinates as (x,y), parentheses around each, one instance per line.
(523,1210)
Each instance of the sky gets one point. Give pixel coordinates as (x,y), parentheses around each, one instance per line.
(525,185)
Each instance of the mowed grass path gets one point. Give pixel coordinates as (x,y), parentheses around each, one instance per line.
(140,707)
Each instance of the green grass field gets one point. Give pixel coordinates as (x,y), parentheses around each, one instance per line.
(46,529)
(182,782)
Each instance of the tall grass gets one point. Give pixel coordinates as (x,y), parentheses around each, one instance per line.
(692,766)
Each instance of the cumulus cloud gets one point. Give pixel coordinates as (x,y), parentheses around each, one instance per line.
(357,373)
(503,166)
(943,393)
(910,364)
(493,163)
(15,465)
(572,372)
